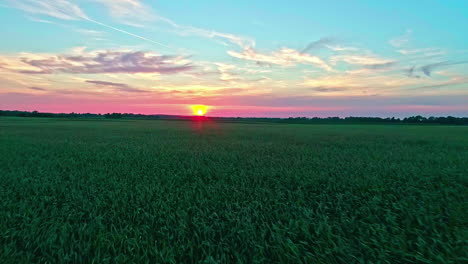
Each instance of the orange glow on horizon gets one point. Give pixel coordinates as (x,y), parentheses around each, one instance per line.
(199,110)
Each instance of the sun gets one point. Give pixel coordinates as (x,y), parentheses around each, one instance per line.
(199,110)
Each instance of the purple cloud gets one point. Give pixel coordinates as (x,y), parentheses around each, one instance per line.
(109,62)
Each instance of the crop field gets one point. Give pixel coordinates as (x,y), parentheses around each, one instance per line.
(140,191)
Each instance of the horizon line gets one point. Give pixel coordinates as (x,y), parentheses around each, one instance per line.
(307,117)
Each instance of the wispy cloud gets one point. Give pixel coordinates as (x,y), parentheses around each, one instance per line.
(130,12)
(379,66)
(335,47)
(325,89)
(424,51)
(128,33)
(117,86)
(188,30)
(241,41)
(283,57)
(34,19)
(90,32)
(452,82)
(127,11)
(357,82)
(66,10)
(369,61)
(37,88)
(323,42)
(410,72)
(400,41)
(226,72)
(427,69)
(61,9)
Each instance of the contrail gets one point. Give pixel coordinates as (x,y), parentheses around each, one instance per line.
(126,32)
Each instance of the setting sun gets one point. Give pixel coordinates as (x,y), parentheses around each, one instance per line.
(199,110)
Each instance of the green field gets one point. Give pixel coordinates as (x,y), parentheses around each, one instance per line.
(128,191)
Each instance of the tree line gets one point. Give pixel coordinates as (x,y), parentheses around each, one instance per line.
(448,120)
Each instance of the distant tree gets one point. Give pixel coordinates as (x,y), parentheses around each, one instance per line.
(113,115)
(449,120)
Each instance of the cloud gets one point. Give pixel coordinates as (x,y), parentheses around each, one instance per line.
(37,88)
(128,9)
(318,44)
(40,20)
(128,33)
(90,32)
(325,89)
(124,11)
(117,86)
(357,81)
(368,61)
(379,66)
(453,81)
(428,52)
(283,57)
(410,72)
(67,10)
(340,48)
(241,41)
(226,72)
(107,83)
(108,62)
(61,9)
(400,41)
(427,69)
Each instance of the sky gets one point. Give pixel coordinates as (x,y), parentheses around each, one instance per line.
(239,58)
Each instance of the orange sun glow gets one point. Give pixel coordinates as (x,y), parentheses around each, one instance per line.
(199,110)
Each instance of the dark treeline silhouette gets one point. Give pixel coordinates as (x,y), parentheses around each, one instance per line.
(449,120)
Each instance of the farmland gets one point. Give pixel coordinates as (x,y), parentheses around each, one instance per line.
(136,191)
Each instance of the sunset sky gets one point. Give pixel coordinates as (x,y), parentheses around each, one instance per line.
(240,58)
